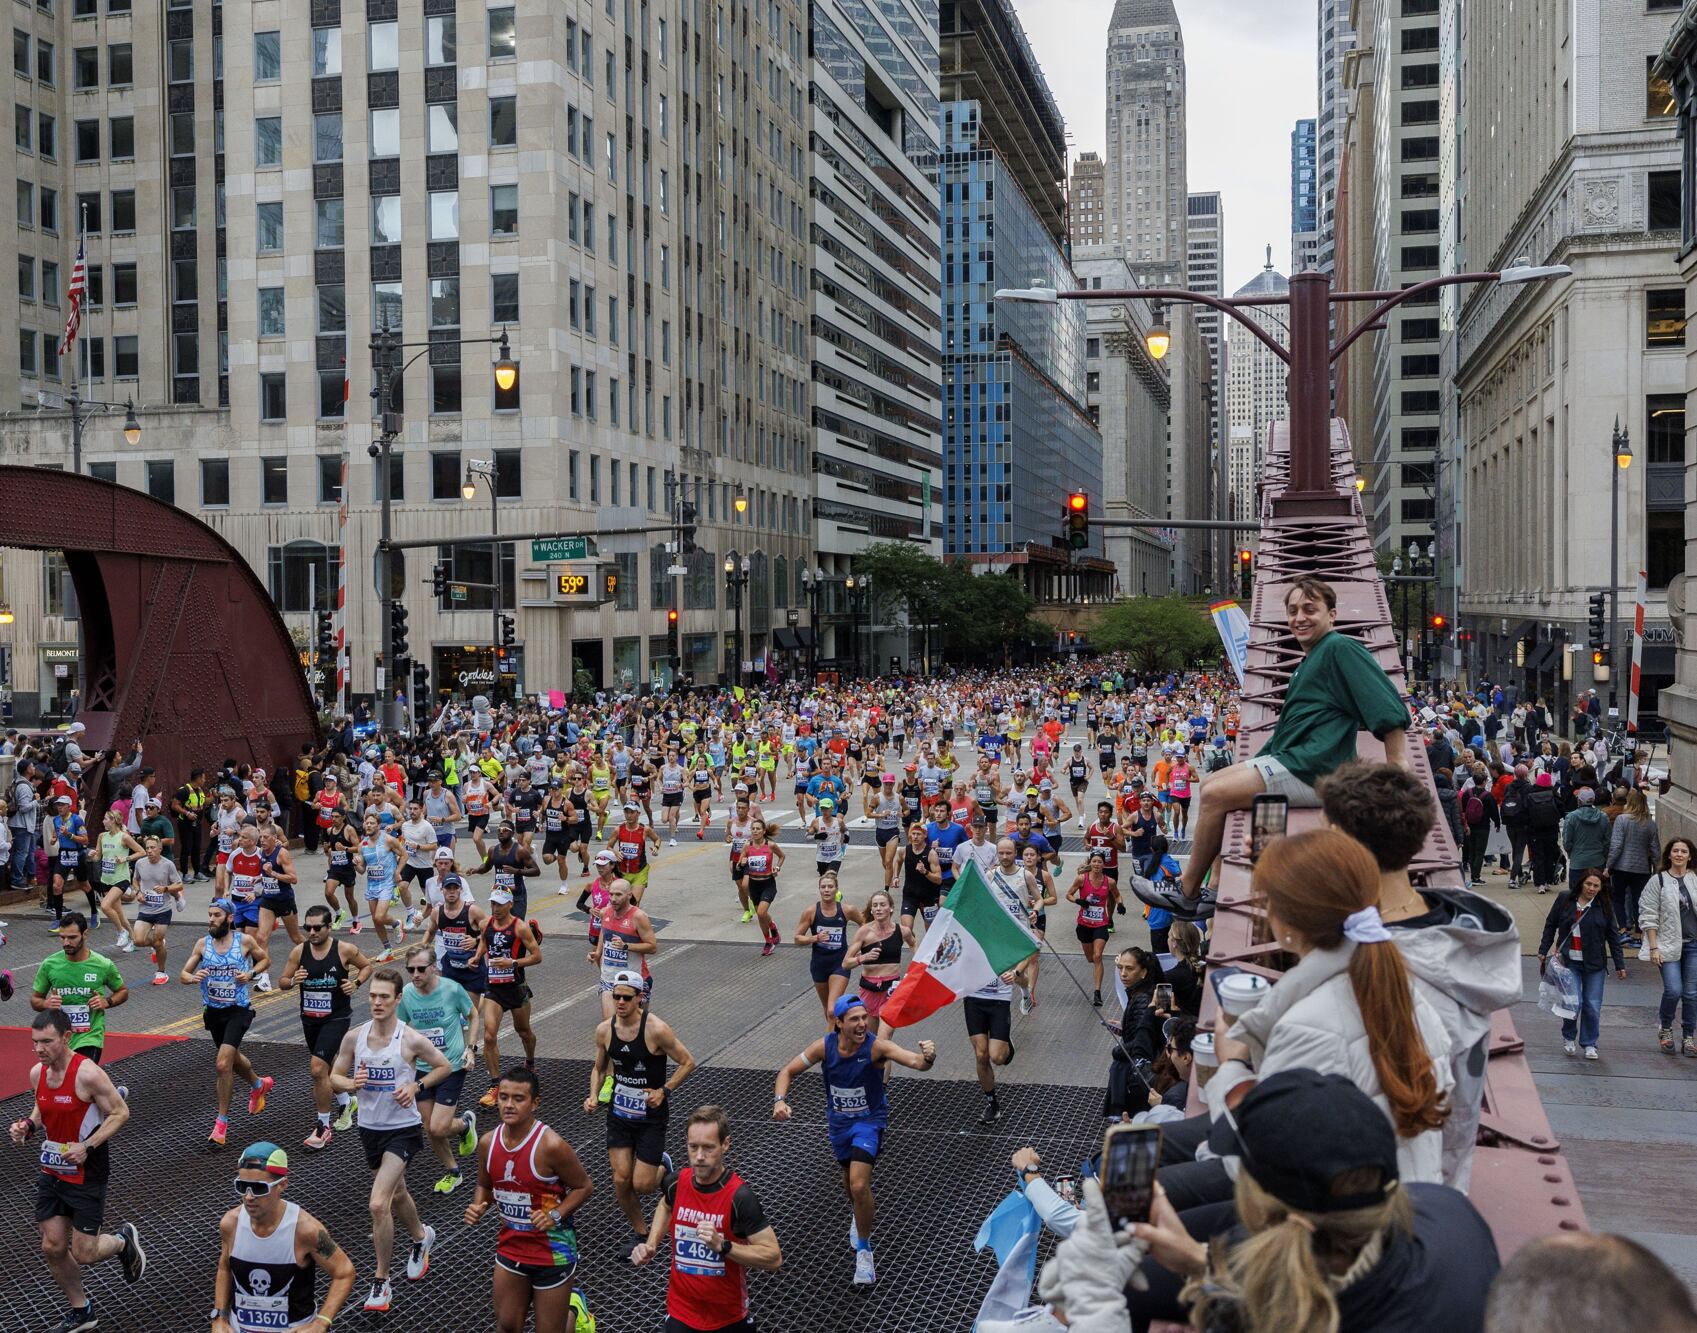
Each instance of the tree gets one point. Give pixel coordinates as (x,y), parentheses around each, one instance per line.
(1159,633)
(981,616)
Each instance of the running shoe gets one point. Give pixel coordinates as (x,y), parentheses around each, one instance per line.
(160,979)
(345,1120)
(606,1093)
(319,1138)
(132,1256)
(1169,896)
(488,1098)
(747,915)
(79,1321)
(220,1131)
(666,1164)
(446,1185)
(1096,999)
(673,842)
(854,1235)
(342,921)
(353,928)
(119,938)
(468,1140)
(257,1093)
(1024,1001)
(864,1273)
(5,985)
(564,891)
(126,943)
(766,949)
(992,1111)
(701,833)
(182,903)
(263,983)
(418,1259)
(380,1297)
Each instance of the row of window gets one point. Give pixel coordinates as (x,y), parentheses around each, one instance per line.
(442,217)
(38,132)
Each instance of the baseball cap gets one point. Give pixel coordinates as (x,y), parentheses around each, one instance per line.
(1031,791)
(631,979)
(500,896)
(444,853)
(632,805)
(224,905)
(264,1156)
(604,858)
(61,800)
(889,777)
(1271,1131)
(845,1003)
(826,803)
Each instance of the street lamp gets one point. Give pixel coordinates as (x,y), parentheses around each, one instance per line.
(860,598)
(1159,338)
(1621,446)
(813,584)
(741,499)
(736,579)
(506,369)
(485,468)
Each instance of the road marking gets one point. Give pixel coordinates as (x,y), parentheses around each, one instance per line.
(595,989)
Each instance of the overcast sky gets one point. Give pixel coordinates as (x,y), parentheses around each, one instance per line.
(1250,75)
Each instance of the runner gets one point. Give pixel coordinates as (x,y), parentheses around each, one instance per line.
(559,827)
(739,831)
(856,1111)
(439,1009)
(884,808)
(830,831)
(80,984)
(271,1252)
(69,836)
(159,886)
(761,861)
(701,791)
(377,858)
(221,964)
(1095,893)
(419,842)
(329,972)
(537,1181)
(625,929)
(116,850)
(276,893)
(630,842)
(715,1229)
(78,1111)
(508,947)
(242,872)
(671,795)
(339,843)
(989,1009)
(632,1047)
(824,928)
(376,1063)
(1039,917)
(877,951)
(227,819)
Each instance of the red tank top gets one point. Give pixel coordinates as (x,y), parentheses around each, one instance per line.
(65,1118)
(631,846)
(621,933)
(244,870)
(706,1291)
(328,799)
(1097,837)
(521,1190)
(759,861)
(1093,902)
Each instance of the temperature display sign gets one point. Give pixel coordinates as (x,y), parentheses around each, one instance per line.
(573,586)
(585,585)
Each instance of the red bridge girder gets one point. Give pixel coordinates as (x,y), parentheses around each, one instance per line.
(182,647)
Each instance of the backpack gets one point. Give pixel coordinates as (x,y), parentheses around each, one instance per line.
(1542,809)
(57,760)
(1513,806)
(1474,811)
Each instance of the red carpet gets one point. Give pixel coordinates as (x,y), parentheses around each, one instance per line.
(17,1056)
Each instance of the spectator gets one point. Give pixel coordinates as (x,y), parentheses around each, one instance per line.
(1543,822)
(1584,836)
(1329,1236)
(1511,805)
(1172,1069)
(1185,942)
(1634,842)
(1585,921)
(1584,1281)
(24,820)
(1479,815)
(1337,691)
(1667,916)
(1449,805)
(1463,949)
(1140,1034)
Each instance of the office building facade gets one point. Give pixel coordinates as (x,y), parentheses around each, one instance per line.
(1336,38)
(1145,167)
(1304,199)
(1087,201)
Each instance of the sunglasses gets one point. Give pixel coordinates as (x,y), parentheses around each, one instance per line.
(617,997)
(419,971)
(246,1187)
(315,925)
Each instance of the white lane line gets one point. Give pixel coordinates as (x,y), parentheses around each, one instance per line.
(595,989)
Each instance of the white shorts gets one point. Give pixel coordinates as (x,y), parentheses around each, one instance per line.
(1280,781)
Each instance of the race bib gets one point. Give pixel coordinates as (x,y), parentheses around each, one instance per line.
(79,1014)
(153,903)
(850,1101)
(107,866)
(315,1004)
(504,879)
(380,1078)
(241,886)
(221,992)
(615,952)
(691,1255)
(261,1312)
(630,1102)
(515,1209)
(438,1037)
(53,1159)
(270,887)
(500,971)
(830,938)
(1094,914)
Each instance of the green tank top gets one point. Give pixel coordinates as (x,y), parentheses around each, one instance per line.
(114,864)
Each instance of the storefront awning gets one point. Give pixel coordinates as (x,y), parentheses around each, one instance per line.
(785,639)
(1524,630)
(1539,658)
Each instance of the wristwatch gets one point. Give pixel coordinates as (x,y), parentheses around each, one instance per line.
(725,1248)
(216,1314)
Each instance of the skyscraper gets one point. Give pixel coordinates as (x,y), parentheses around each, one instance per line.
(1086,201)
(1336,39)
(1206,240)
(1145,163)
(1255,389)
(1304,203)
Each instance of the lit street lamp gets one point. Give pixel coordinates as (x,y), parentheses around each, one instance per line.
(860,599)
(736,579)
(1621,448)
(485,468)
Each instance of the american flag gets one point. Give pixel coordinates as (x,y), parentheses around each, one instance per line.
(74,298)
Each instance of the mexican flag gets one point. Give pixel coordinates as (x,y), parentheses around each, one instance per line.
(978,934)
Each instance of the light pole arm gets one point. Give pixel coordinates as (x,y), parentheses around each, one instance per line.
(1219,303)
(1393,299)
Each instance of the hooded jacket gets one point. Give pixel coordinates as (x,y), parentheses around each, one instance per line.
(1585,838)
(1466,969)
(1310,1020)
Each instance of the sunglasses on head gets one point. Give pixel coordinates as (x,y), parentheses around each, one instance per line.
(246,1187)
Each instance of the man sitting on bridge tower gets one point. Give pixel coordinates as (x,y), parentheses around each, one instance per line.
(1337,691)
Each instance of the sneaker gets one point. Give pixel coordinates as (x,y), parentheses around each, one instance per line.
(536,929)
(1096,999)
(864,1274)
(701,833)
(263,983)
(991,1113)
(182,903)
(671,842)
(1569,1048)
(766,949)
(257,1093)
(341,922)
(345,1118)
(468,1141)
(132,1256)
(666,1164)
(5,985)
(447,1185)
(1691,1046)
(606,1093)
(353,928)
(1169,896)
(1024,1001)
(1591,1053)
(747,915)
(380,1296)
(319,1138)
(160,979)
(854,1235)
(488,1098)
(220,1131)
(564,891)
(78,1321)
(1664,1039)
(126,943)
(418,1259)
(629,1247)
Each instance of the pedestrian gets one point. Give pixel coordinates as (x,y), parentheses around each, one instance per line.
(1512,810)
(1633,844)
(1584,921)
(1543,822)
(1479,813)
(1667,916)
(1584,835)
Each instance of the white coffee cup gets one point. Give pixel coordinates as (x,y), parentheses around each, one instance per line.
(1241,992)
(1203,1057)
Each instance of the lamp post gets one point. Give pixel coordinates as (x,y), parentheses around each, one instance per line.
(385,381)
(1622,457)
(736,579)
(485,468)
(1310,356)
(1396,580)
(812,581)
(860,596)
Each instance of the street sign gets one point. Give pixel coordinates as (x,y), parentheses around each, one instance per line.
(546,550)
(456,592)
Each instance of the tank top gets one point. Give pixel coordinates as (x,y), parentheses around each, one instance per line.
(630,845)
(636,1071)
(1093,902)
(435,807)
(66,1119)
(503,950)
(336,850)
(227,821)
(114,867)
(706,1290)
(272,1290)
(458,942)
(219,988)
(321,988)
(618,933)
(476,796)
(379,864)
(830,933)
(854,1087)
(915,882)
(520,1189)
(742,832)
(886,950)
(1098,838)
(244,870)
(759,861)
(832,836)
(887,814)
(386,1068)
(269,885)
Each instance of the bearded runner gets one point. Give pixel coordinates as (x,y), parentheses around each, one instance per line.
(977,937)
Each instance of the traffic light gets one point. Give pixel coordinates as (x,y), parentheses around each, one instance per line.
(326,638)
(672,636)
(1078,520)
(1438,622)
(508,632)
(439,581)
(686,528)
(1599,617)
(1245,569)
(420,682)
(398,630)
(1596,657)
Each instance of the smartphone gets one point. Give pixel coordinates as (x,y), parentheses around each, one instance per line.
(1218,974)
(1268,817)
(1130,1154)
(1164,997)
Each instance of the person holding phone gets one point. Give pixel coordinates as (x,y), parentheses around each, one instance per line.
(1337,691)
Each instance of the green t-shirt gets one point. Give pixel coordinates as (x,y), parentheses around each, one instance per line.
(158,826)
(440,1015)
(75,983)
(1336,691)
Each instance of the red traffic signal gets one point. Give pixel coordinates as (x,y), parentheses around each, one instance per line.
(1244,557)
(1078,500)
(1438,622)
(1077,518)
(672,616)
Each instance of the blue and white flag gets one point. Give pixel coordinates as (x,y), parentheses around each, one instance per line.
(1233,626)
(1011,1231)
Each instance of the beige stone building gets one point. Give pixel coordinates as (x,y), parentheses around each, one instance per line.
(1086,200)
(622,188)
